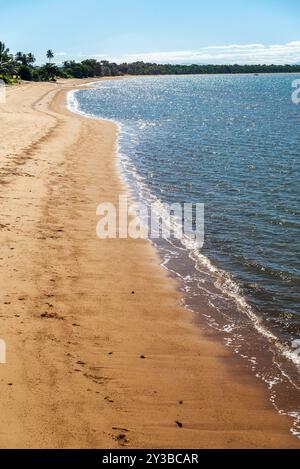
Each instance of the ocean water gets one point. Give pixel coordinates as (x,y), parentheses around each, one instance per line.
(232,143)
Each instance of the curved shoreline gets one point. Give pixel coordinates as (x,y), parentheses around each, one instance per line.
(267,358)
(75,368)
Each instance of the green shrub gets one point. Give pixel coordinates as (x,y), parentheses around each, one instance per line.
(26,73)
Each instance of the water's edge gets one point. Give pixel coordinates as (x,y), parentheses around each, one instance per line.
(266,356)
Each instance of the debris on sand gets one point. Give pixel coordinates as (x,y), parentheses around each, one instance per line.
(52,316)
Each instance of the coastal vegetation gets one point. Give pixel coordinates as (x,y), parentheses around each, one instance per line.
(23,66)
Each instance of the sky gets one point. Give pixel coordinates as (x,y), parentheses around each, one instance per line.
(163,31)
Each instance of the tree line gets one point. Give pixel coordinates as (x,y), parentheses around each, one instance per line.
(23,66)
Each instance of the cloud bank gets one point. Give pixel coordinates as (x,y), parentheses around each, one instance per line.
(227,54)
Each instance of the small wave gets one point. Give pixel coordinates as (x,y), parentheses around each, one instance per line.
(145,124)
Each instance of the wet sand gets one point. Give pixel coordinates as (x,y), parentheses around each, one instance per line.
(78,313)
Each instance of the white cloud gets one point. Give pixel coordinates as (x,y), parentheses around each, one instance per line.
(238,46)
(224,54)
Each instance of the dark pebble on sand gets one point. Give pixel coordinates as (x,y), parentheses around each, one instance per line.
(179,424)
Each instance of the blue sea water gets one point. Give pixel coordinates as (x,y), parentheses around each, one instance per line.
(232,143)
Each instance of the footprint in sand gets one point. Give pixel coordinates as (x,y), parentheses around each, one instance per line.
(52,316)
(121,437)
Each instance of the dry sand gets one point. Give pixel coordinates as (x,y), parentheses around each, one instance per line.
(74,330)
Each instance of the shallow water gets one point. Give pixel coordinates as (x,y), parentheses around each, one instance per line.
(232,143)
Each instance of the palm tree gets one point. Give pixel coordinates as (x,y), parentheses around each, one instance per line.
(22,58)
(25,59)
(19,56)
(48,72)
(50,55)
(4,53)
(5,59)
(30,58)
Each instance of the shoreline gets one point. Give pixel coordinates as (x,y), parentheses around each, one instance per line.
(267,358)
(74,329)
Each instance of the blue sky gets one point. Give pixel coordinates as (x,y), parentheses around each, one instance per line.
(181,31)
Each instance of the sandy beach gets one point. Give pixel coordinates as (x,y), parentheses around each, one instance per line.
(78,313)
